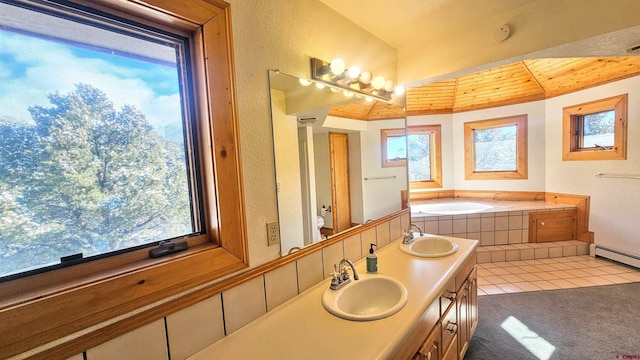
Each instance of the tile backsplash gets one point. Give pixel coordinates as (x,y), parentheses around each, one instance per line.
(187,331)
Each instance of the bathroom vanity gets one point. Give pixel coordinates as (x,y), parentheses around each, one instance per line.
(436,322)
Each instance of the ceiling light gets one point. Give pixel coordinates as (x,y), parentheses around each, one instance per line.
(304,82)
(320,85)
(378,82)
(337,66)
(399,90)
(353,82)
(354,72)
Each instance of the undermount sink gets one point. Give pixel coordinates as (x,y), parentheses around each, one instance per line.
(430,247)
(372,297)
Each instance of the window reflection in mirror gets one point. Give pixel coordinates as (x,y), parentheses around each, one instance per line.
(327,150)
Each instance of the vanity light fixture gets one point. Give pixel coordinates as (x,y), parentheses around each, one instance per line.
(352,81)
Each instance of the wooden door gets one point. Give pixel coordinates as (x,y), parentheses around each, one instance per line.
(340,195)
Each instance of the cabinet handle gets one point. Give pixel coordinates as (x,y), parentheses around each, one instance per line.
(542,223)
(452,327)
(451,297)
(435,347)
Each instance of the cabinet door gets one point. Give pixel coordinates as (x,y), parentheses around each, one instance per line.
(450,327)
(473,302)
(431,348)
(463,319)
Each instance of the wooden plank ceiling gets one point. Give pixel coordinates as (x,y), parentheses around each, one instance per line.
(520,82)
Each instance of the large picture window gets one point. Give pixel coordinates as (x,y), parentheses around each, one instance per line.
(118,126)
(95,139)
(496,148)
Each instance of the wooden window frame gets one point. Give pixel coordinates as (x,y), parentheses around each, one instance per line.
(435,151)
(520,121)
(570,135)
(384,135)
(43,308)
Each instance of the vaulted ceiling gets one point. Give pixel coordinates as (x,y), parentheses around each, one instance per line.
(519,82)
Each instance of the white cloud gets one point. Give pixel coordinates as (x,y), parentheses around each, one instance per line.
(52,67)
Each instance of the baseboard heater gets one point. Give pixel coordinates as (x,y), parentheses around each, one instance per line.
(616,255)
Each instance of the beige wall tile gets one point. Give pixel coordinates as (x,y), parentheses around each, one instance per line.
(353,248)
(243,304)
(194,328)
(405,221)
(515,236)
(368,237)
(498,256)
(459,226)
(382,234)
(445,227)
(395,229)
(515,222)
(502,237)
(473,225)
(473,235)
(310,270)
(331,255)
(487,224)
(487,238)
(555,252)
(483,257)
(430,227)
(512,255)
(527,254)
(281,284)
(541,253)
(501,223)
(148,342)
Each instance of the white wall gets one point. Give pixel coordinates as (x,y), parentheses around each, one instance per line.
(453,174)
(287,165)
(615,203)
(380,197)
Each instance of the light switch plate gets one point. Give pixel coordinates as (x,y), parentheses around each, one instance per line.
(273,233)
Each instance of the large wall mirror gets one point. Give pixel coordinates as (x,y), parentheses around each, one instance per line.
(328,149)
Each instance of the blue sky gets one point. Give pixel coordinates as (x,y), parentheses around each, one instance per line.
(31,68)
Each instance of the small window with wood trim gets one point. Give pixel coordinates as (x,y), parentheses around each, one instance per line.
(596,130)
(496,148)
(394,147)
(424,156)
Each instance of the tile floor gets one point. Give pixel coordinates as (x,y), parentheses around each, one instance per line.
(552,273)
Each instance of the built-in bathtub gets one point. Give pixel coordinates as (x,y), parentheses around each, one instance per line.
(492,222)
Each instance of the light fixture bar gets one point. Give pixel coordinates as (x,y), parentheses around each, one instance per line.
(337,76)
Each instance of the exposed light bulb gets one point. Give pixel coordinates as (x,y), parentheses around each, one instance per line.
(365,77)
(337,66)
(399,90)
(320,85)
(304,82)
(378,82)
(389,85)
(333,90)
(354,72)
(368,98)
(347,93)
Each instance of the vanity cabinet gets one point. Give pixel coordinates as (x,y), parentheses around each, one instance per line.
(448,338)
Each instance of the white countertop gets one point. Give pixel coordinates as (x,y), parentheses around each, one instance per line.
(302,329)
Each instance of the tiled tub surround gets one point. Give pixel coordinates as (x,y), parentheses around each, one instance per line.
(189,330)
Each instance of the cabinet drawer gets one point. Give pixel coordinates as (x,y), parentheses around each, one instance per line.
(447,297)
(451,353)
(430,350)
(449,326)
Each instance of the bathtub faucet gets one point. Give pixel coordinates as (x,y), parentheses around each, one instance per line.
(408,235)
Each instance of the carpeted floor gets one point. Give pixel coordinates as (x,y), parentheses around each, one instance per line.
(591,323)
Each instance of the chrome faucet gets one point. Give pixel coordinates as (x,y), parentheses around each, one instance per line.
(408,235)
(340,279)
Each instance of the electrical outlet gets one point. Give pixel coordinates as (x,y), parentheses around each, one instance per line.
(273,233)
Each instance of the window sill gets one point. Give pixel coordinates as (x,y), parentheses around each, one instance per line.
(51,312)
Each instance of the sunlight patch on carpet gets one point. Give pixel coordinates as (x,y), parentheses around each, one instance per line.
(537,345)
